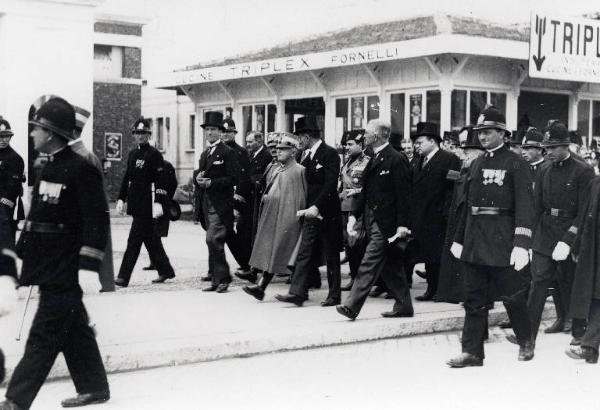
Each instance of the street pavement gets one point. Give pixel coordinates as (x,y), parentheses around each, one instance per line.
(400,373)
(147,325)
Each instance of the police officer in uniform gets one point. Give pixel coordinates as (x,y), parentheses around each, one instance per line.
(64,234)
(143,175)
(561,192)
(492,239)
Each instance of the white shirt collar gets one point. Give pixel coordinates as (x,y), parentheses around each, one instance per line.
(495,149)
(214,144)
(533,164)
(431,154)
(381,147)
(257,151)
(314,148)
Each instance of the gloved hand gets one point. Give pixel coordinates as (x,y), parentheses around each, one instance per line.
(312,212)
(8,295)
(561,251)
(239,198)
(120,206)
(456,250)
(157,210)
(350,226)
(519,257)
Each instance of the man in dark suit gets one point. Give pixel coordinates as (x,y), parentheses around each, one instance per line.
(322,219)
(259,160)
(432,192)
(216,177)
(384,206)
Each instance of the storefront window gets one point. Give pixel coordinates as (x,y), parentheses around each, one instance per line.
(247,119)
(596,119)
(271,117)
(397,113)
(416,111)
(259,111)
(478,101)
(433,106)
(192,132)
(583,118)
(160,132)
(459,109)
(372,107)
(358,112)
(341,117)
(499,101)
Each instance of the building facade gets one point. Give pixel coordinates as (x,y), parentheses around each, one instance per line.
(439,68)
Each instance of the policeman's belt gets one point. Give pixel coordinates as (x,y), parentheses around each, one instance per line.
(490,210)
(559,213)
(45,227)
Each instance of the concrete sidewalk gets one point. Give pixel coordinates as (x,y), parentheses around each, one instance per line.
(148,325)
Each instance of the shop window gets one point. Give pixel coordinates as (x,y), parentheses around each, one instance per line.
(499,101)
(341,117)
(583,118)
(478,101)
(458,111)
(160,129)
(596,120)
(246,120)
(358,112)
(108,62)
(259,117)
(372,107)
(434,102)
(271,117)
(416,111)
(192,132)
(397,113)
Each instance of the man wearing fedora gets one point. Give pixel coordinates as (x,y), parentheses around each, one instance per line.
(493,238)
(431,195)
(216,177)
(383,204)
(561,192)
(146,199)
(322,219)
(64,236)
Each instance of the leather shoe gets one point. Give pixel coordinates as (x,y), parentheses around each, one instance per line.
(254,291)
(248,275)
(289,298)
(576,341)
(398,313)
(330,302)
(556,327)
(206,278)
(222,287)
(427,296)
(505,324)
(526,351)
(568,327)
(86,398)
(345,311)
(9,405)
(587,353)
(465,360)
(121,282)
(348,286)
(512,339)
(376,292)
(211,288)
(162,279)
(149,267)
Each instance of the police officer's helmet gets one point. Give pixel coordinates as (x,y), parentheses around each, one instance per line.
(5,128)
(56,115)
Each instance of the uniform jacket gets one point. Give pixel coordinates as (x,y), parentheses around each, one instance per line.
(167,180)
(560,187)
(68,193)
(386,190)
(223,170)
(499,179)
(351,177)
(12,176)
(144,166)
(431,196)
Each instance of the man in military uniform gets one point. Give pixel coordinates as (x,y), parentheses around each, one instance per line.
(350,188)
(492,239)
(561,192)
(217,175)
(64,235)
(142,188)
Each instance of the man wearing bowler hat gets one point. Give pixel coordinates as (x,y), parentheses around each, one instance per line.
(493,238)
(561,192)
(64,235)
(216,176)
(146,196)
(322,219)
(432,192)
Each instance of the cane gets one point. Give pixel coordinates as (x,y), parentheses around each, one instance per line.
(24,314)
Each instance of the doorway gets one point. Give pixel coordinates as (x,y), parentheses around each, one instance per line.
(295,109)
(536,109)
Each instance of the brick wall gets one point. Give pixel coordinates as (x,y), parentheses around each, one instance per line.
(115,28)
(116,107)
(132,62)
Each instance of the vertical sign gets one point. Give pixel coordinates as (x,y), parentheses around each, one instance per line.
(113,146)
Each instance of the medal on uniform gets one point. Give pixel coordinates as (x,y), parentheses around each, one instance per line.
(493,176)
(50,191)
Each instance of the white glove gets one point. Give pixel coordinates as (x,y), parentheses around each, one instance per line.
(239,198)
(350,226)
(456,250)
(157,210)
(519,257)
(561,251)
(120,206)
(8,295)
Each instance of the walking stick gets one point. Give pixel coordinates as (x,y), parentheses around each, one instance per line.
(24,314)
